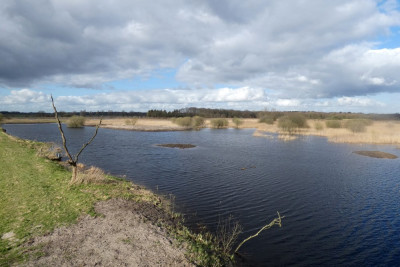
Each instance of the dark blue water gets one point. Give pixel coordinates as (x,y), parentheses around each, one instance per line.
(340,208)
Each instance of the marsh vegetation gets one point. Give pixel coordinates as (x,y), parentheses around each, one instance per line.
(76,122)
(219,123)
(195,122)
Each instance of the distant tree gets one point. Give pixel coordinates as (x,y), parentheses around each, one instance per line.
(1,118)
(73,160)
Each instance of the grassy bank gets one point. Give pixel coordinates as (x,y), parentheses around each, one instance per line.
(36,199)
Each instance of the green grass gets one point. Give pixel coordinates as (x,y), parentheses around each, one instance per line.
(36,197)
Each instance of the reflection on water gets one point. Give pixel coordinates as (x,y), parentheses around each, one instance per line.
(340,208)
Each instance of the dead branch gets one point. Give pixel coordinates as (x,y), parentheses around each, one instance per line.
(88,143)
(72,160)
(277,221)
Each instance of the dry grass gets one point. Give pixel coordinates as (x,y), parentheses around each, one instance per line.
(142,124)
(29,120)
(50,151)
(379,132)
(91,175)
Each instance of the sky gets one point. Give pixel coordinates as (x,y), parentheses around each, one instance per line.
(133,55)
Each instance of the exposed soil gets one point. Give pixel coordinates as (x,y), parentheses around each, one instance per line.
(376,154)
(180,146)
(125,234)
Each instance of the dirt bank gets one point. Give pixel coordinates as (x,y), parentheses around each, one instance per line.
(124,234)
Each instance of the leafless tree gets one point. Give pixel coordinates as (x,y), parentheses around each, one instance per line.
(72,160)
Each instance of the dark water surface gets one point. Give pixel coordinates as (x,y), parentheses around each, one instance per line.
(340,208)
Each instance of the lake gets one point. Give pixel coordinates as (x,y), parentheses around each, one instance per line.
(340,208)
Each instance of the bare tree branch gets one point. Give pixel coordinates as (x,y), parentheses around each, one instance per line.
(71,161)
(88,143)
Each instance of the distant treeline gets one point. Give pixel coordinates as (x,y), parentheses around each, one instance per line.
(202,112)
(206,113)
(42,114)
(230,113)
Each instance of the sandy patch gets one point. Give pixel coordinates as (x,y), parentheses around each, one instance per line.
(142,124)
(126,235)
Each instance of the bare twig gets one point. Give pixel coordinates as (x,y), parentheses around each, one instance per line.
(277,221)
(88,143)
(227,233)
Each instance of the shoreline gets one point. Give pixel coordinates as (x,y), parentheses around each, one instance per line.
(380,132)
(120,218)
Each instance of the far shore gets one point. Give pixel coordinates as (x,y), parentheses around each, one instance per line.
(380,132)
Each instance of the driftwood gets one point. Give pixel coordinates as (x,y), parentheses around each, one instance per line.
(72,160)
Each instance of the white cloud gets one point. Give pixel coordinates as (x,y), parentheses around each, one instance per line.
(296,50)
(24,96)
(234,98)
(358,102)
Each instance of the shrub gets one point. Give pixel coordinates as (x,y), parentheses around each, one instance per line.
(189,122)
(266,119)
(198,121)
(131,121)
(286,124)
(184,122)
(298,119)
(269,117)
(76,122)
(219,123)
(292,121)
(237,122)
(318,126)
(333,124)
(1,118)
(358,125)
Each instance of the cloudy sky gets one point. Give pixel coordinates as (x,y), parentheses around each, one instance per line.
(341,55)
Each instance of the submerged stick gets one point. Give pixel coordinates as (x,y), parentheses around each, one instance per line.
(277,221)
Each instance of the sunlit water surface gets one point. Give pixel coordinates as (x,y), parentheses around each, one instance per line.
(340,208)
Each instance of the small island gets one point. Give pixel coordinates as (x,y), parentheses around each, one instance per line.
(180,146)
(376,154)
